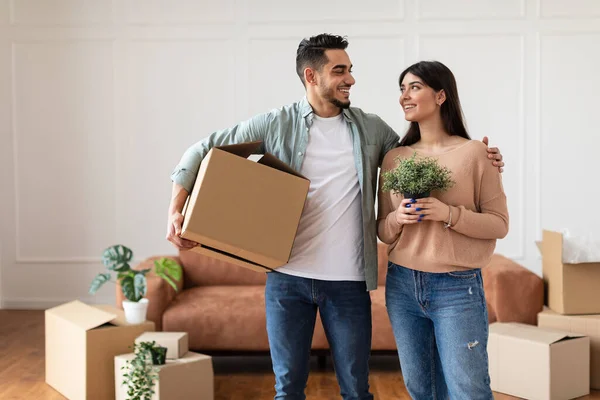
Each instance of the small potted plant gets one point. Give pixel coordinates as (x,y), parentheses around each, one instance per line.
(416,178)
(140,373)
(133,282)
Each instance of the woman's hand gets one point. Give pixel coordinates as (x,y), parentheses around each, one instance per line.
(431,209)
(407,212)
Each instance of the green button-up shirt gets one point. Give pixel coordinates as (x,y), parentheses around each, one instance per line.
(284,133)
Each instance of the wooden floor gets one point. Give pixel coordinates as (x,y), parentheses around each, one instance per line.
(236,378)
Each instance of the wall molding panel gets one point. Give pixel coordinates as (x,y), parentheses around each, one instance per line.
(99,99)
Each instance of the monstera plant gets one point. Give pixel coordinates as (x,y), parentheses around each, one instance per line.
(117,260)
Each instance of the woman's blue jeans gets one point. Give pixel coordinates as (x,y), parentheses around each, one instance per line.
(440,323)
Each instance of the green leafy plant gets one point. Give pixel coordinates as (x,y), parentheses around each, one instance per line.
(417,177)
(133,282)
(140,373)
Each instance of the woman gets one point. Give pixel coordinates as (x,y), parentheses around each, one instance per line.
(434,289)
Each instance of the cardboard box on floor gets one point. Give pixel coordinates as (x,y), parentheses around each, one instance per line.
(177,343)
(570,288)
(245,212)
(81,343)
(189,377)
(534,363)
(588,325)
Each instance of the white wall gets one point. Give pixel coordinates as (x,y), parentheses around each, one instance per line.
(98,99)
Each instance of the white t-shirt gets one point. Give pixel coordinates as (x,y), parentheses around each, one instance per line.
(329,240)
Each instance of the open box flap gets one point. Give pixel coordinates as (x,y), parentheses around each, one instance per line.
(83,315)
(531,333)
(230,258)
(243,150)
(273,162)
(119,319)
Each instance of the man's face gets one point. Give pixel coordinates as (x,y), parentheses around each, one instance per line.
(335,79)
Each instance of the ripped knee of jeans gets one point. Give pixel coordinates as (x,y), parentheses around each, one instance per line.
(472,344)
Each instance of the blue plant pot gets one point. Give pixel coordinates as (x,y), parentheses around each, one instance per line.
(415,195)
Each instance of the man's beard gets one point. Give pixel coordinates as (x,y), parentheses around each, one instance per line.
(340,104)
(330,96)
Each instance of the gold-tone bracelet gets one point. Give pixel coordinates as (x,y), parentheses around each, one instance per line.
(449,223)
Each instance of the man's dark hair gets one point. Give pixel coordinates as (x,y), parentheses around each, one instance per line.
(311,52)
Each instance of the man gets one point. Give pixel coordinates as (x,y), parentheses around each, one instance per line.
(333,264)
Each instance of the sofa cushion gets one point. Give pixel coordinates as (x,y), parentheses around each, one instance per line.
(382,263)
(225,318)
(201,270)
(383,336)
(220,317)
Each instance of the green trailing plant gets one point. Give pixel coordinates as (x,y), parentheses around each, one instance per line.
(140,373)
(416,177)
(133,282)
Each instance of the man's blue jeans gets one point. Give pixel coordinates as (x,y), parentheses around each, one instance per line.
(345,308)
(440,323)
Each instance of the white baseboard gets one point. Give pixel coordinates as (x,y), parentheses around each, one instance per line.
(43,304)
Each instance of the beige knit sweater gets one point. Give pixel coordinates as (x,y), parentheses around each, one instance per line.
(479,214)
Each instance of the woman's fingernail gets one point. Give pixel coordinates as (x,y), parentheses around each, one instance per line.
(408,206)
(418,209)
(413,201)
(421,216)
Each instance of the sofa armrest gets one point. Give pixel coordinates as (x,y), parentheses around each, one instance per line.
(513,293)
(158,292)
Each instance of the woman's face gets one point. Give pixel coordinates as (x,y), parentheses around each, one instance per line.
(419,101)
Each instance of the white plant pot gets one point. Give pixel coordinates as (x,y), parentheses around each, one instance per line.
(135,312)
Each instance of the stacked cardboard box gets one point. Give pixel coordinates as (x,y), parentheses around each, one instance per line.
(573,297)
(81,342)
(537,363)
(581,324)
(185,375)
(572,313)
(572,289)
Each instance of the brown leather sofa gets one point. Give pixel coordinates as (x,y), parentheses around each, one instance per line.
(222,308)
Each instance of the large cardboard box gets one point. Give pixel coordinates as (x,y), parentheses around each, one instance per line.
(245,212)
(535,363)
(570,288)
(189,377)
(81,343)
(177,343)
(588,325)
